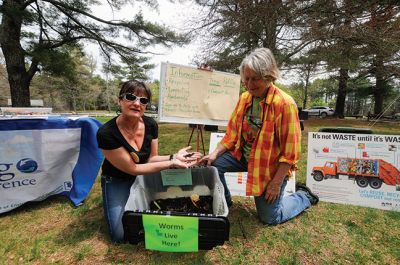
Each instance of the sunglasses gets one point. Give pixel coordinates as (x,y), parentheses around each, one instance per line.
(133,97)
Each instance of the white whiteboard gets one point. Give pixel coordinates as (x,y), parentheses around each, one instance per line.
(193,96)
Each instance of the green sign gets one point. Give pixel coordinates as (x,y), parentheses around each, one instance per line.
(171,233)
(176,177)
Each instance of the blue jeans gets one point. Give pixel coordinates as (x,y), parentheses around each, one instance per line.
(227,163)
(281,210)
(115,195)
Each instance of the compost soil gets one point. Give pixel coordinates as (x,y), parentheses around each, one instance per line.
(184,204)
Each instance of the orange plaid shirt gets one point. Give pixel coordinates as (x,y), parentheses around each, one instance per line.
(277,141)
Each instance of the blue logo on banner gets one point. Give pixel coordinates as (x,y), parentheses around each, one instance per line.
(67,185)
(27,165)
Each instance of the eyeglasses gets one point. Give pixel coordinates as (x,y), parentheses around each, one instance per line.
(133,97)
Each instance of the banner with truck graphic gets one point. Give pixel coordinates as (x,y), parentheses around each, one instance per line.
(357,169)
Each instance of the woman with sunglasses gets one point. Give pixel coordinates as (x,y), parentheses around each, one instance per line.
(263,138)
(129,143)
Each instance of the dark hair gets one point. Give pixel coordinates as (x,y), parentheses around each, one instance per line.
(133,86)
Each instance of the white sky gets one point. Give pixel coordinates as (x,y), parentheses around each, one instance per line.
(172,15)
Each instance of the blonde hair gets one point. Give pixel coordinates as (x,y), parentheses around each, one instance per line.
(263,63)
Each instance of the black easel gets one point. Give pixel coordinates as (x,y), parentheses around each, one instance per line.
(199,129)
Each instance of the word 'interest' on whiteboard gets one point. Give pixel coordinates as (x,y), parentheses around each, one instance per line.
(191,95)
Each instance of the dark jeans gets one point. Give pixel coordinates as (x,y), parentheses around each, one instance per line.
(116,192)
(227,163)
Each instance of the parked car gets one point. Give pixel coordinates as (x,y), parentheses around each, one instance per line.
(396,116)
(322,111)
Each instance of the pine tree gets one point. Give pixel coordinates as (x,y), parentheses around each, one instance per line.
(32,33)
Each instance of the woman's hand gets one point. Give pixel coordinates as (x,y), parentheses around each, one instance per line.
(274,186)
(176,163)
(273,191)
(188,157)
(208,159)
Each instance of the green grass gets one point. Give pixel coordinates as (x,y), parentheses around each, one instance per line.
(53,231)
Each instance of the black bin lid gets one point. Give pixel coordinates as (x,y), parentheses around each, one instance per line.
(346,130)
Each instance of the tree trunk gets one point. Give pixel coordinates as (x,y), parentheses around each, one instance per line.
(358,106)
(107,94)
(379,91)
(342,92)
(10,32)
(308,74)
(305,96)
(72,103)
(270,24)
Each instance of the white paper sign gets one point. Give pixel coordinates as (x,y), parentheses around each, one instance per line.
(357,169)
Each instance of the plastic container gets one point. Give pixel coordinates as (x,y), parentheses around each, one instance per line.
(213,228)
(205,181)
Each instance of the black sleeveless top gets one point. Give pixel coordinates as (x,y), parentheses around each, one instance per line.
(109,137)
